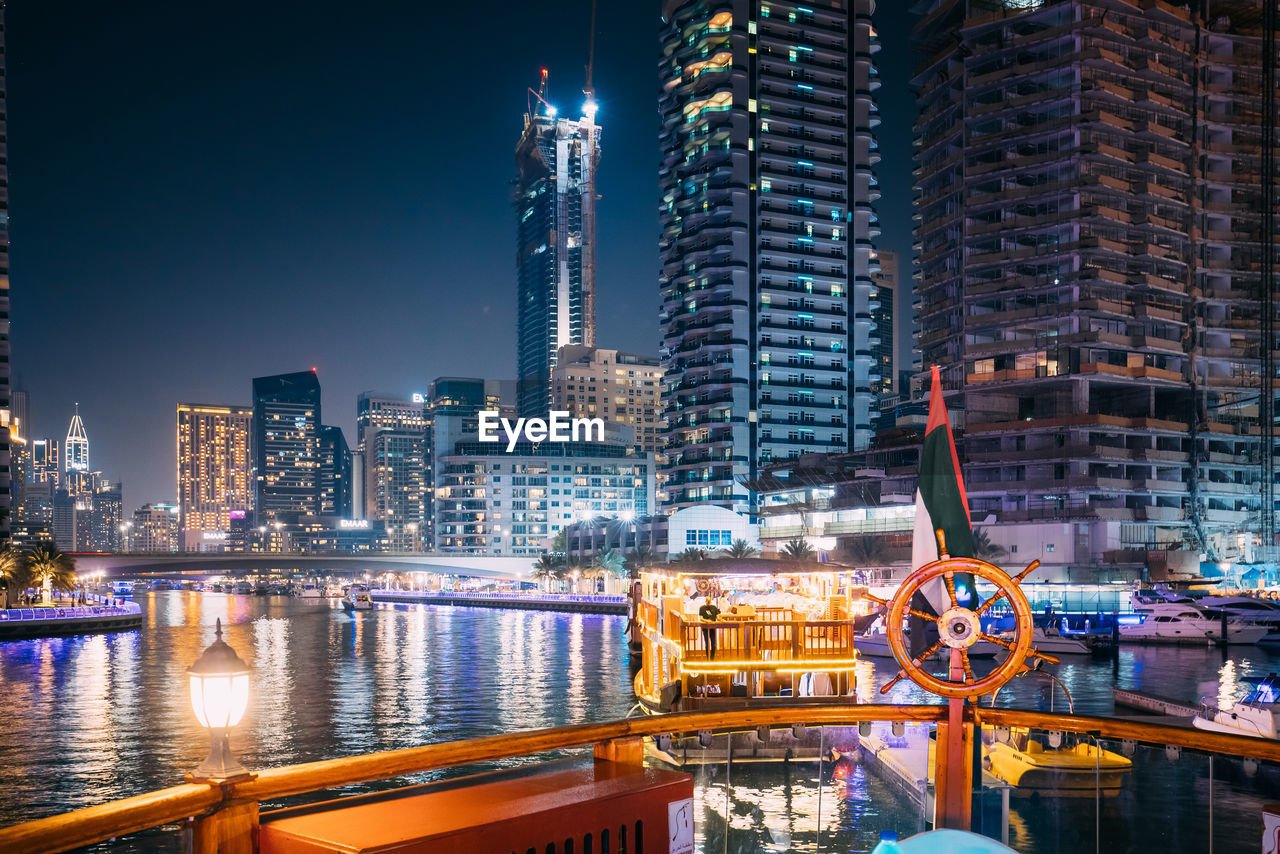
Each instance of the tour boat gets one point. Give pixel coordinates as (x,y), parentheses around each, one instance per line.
(357,599)
(1255,715)
(309,591)
(1181,622)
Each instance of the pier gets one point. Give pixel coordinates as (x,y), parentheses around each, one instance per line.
(581,604)
(1154,703)
(57,621)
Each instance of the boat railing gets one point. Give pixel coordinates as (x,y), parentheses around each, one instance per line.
(772,642)
(224,815)
(513,594)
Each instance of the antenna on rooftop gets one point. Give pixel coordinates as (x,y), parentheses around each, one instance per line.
(590,91)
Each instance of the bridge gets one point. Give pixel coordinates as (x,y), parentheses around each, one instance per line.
(178,565)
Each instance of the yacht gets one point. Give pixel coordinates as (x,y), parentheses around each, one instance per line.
(357,599)
(1179,622)
(244,588)
(1054,643)
(1254,716)
(309,591)
(875,644)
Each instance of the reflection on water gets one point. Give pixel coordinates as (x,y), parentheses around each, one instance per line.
(94,718)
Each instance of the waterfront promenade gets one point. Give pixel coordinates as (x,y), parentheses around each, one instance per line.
(568,602)
(101,614)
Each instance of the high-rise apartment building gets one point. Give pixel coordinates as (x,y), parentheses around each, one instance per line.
(6,478)
(555,202)
(1096,247)
(394,436)
(335,473)
(767,184)
(214,470)
(46,461)
(592,382)
(286,447)
(154,529)
(884,277)
(76,445)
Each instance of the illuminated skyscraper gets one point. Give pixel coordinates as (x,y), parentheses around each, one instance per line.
(286,447)
(155,529)
(6,497)
(46,461)
(76,445)
(767,116)
(214,482)
(555,200)
(335,473)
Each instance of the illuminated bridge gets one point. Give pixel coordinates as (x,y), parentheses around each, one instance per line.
(213,563)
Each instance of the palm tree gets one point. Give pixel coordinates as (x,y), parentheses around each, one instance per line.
(690,555)
(866,551)
(610,562)
(546,568)
(985,549)
(798,549)
(52,569)
(740,549)
(637,559)
(14,574)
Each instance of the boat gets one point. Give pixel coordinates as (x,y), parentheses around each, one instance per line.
(1054,643)
(243,588)
(122,588)
(309,591)
(1073,768)
(1182,622)
(357,599)
(1255,715)
(162,584)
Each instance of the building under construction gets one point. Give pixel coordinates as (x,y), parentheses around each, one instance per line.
(1096,249)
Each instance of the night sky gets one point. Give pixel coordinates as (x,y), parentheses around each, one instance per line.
(201,193)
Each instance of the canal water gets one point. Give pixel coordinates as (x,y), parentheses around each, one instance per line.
(94,718)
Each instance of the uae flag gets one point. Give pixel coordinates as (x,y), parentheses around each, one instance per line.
(941,503)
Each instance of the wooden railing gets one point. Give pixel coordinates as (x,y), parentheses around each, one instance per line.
(216,810)
(768,642)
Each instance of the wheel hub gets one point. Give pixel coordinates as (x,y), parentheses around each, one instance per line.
(959,628)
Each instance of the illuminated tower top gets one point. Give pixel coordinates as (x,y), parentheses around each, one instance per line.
(77,445)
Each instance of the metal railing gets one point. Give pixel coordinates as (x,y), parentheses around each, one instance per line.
(55,612)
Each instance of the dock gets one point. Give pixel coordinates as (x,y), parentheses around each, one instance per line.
(58,621)
(1154,704)
(578,604)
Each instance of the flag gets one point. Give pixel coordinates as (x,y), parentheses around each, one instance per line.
(941,503)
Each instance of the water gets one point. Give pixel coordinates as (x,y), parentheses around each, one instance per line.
(94,718)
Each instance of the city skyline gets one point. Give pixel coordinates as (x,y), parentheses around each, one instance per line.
(200,285)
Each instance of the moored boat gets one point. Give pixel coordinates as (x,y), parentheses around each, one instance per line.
(1183,622)
(1033,765)
(1256,715)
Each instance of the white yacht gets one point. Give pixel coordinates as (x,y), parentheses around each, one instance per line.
(1181,622)
(1051,642)
(876,645)
(357,599)
(1255,715)
(310,590)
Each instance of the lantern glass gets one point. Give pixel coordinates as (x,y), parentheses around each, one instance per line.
(219,701)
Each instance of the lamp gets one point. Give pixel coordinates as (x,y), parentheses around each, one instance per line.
(219,697)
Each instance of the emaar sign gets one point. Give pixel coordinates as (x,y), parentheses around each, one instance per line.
(558,427)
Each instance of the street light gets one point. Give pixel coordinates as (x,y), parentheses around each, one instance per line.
(219,697)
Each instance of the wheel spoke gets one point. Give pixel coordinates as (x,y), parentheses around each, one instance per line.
(894,681)
(928,652)
(922,615)
(1052,659)
(987,604)
(995,640)
(968,670)
(951,589)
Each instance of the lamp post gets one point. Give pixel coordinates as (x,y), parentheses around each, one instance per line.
(219,697)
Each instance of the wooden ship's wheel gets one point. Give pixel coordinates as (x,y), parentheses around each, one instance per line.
(959,628)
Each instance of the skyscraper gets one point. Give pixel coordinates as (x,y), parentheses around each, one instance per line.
(214,480)
(394,435)
(590,382)
(884,311)
(1095,205)
(76,445)
(766,189)
(46,461)
(555,201)
(335,473)
(6,496)
(286,447)
(155,529)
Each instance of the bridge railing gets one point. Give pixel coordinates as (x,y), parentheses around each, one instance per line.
(9,615)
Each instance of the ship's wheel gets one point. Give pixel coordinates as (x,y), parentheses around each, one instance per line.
(959,628)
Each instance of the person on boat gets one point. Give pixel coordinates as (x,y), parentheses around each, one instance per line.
(709,613)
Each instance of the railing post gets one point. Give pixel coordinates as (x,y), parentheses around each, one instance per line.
(628,750)
(233,829)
